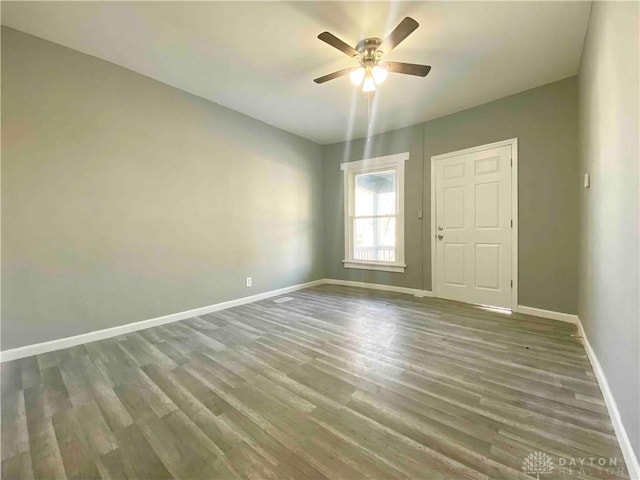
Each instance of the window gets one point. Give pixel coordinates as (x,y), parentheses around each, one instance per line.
(374,213)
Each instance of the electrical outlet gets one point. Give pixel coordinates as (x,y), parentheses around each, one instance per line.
(248,282)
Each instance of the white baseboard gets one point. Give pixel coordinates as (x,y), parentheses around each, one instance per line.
(538,312)
(377,286)
(44,347)
(623,439)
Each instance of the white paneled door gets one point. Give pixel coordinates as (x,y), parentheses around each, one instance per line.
(473,225)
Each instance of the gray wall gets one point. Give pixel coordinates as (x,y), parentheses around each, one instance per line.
(124,199)
(609,240)
(545,121)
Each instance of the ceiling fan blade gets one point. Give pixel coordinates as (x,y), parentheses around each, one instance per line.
(337,43)
(408,68)
(333,75)
(402,31)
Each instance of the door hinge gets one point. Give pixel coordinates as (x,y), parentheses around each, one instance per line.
(512,162)
(511,283)
(511,223)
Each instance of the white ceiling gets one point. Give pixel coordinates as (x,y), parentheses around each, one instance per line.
(260,58)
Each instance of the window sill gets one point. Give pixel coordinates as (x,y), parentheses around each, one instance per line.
(380,266)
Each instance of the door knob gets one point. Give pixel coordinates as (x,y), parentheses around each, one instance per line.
(440,228)
(440,236)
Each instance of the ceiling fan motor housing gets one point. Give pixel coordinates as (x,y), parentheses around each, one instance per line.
(368,50)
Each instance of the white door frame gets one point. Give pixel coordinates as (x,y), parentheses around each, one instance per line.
(513,142)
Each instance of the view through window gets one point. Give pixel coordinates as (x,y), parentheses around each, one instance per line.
(375,213)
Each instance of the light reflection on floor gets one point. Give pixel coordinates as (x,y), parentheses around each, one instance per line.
(378,335)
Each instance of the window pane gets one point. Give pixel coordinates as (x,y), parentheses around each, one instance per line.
(375,194)
(375,239)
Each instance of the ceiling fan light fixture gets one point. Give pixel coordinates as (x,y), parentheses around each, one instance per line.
(357,76)
(367,73)
(369,85)
(379,74)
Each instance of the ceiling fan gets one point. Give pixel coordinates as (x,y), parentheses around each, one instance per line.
(370,71)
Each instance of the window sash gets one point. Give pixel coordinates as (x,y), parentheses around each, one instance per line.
(353,217)
(374,216)
(373,252)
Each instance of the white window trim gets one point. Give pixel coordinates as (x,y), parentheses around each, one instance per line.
(350,170)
